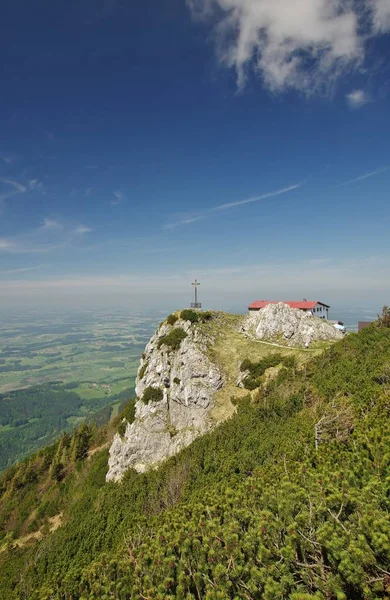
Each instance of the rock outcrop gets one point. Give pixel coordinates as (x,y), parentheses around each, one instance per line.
(183,381)
(292,326)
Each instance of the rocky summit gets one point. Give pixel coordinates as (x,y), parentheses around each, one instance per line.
(189,372)
(291,326)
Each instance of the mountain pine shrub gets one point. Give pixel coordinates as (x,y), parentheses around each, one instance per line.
(189,315)
(173,339)
(171,320)
(152,394)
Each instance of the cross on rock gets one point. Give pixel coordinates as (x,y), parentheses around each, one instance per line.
(196,304)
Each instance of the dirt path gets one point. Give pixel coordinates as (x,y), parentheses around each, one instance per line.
(98,449)
(55,522)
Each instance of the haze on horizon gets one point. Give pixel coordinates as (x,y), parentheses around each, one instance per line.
(241,142)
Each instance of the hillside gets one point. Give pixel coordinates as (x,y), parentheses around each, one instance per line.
(188,374)
(287,498)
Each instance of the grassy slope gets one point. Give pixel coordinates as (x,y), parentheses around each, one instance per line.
(250,510)
(229,350)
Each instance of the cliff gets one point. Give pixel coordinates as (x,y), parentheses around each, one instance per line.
(175,385)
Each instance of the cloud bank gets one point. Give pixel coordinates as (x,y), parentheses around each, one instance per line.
(329,279)
(302,45)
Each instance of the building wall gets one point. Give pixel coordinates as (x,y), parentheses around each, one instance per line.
(321,311)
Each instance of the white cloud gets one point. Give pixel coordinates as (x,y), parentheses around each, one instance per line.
(51,224)
(5,244)
(357,98)
(302,45)
(381,10)
(80,229)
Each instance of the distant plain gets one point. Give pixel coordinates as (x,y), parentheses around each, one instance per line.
(57,369)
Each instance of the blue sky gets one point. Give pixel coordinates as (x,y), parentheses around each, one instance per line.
(242,142)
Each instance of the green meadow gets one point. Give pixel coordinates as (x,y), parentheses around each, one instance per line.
(57,370)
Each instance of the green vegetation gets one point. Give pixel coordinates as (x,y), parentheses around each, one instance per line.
(384,318)
(228,350)
(189,315)
(152,394)
(171,320)
(173,339)
(195,316)
(287,499)
(143,369)
(35,417)
(126,416)
(257,370)
(57,371)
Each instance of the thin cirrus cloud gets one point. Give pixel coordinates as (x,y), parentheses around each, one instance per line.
(119,197)
(23,270)
(6,158)
(51,235)
(228,205)
(302,45)
(285,190)
(10,188)
(366,175)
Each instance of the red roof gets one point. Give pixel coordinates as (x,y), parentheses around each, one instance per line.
(302,304)
(364,324)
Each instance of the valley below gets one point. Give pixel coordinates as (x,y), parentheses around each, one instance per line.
(58,369)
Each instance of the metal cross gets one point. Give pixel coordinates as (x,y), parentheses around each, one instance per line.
(196,284)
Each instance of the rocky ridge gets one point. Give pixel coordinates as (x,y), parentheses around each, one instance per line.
(180,411)
(292,326)
(177,381)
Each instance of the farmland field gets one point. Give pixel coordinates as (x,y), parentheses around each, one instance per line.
(56,370)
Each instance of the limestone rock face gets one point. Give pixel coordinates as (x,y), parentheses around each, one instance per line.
(188,380)
(294,326)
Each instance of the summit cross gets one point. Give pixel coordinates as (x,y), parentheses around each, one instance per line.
(196,304)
